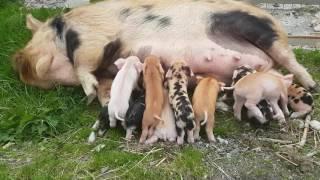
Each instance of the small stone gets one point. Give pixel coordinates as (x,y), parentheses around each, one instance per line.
(104,169)
(315,125)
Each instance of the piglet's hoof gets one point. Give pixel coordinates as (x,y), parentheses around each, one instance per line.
(180,140)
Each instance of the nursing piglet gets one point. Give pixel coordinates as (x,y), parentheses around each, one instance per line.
(122,87)
(153,76)
(178,76)
(166,129)
(253,88)
(134,115)
(204,105)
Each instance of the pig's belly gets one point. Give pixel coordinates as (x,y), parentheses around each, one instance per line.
(204,57)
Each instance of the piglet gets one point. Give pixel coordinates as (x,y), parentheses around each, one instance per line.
(122,87)
(204,105)
(253,88)
(153,76)
(134,115)
(101,125)
(300,101)
(166,129)
(178,76)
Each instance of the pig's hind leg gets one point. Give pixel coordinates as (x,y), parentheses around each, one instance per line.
(238,104)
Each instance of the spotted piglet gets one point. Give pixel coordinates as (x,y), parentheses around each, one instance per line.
(177,76)
(300,101)
(122,86)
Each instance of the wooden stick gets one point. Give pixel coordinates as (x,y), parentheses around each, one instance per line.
(279,155)
(221,170)
(305,132)
(275,140)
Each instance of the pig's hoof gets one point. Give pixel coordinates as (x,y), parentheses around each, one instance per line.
(90,98)
(212,139)
(180,140)
(315,88)
(190,140)
(101,132)
(113,124)
(92,137)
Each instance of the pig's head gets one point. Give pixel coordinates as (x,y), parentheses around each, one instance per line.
(42,63)
(241,72)
(179,70)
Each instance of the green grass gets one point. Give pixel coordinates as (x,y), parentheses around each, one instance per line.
(50,128)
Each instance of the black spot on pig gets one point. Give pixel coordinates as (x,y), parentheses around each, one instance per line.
(256,30)
(150,17)
(307,99)
(58,25)
(177,86)
(179,130)
(296,101)
(164,22)
(126,12)
(189,125)
(111,53)
(147,7)
(72,43)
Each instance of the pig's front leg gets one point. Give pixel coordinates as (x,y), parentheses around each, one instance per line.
(278,112)
(89,83)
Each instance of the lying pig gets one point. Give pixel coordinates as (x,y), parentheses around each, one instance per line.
(177,77)
(67,49)
(204,105)
(134,115)
(300,101)
(153,76)
(122,87)
(253,88)
(166,129)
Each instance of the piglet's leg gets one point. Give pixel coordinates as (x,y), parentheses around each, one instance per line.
(209,128)
(252,107)
(301,114)
(238,104)
(180,137)
(152,139)
(129,132)
(89,83)
(197,129)
(144,135)
(190,136)
(278,112)
(284,104)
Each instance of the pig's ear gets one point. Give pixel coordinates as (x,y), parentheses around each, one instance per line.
(161,69)
(120,62)
(138,66)
(288,79)
(33,24)
(169,73)
(188,71)
(43,65)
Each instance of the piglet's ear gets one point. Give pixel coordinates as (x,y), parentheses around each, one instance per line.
(138,66)
(188,71)
(43,65)
(288,79)
(169,73)
(33,24)
(120,62)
